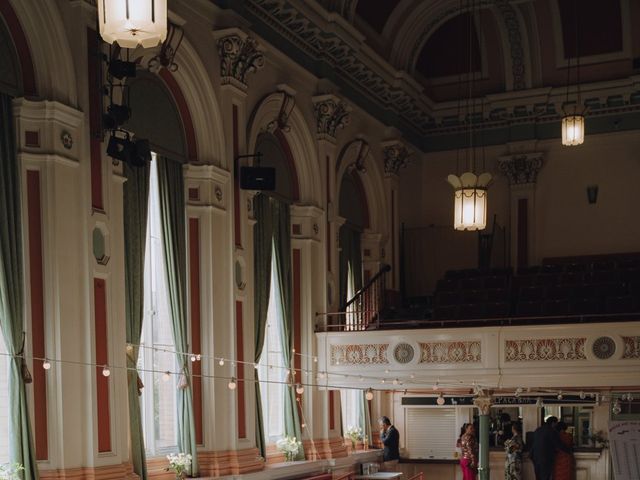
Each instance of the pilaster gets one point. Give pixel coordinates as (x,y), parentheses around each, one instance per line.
(483,402)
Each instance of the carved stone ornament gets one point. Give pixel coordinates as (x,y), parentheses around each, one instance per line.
(521,169)
(239,55)
(396,156)
(331,114)
(483,403)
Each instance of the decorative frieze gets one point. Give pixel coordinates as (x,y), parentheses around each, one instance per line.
(331,114)
(451,352)
(396,156)
(545,349)
(521,169)
(239,55)
(359,354)
(631,347)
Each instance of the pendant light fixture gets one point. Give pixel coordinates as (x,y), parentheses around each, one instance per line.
(133,23)
(470,189)
(573,123)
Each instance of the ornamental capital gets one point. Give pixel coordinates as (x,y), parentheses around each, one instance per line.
(239,55)
(521,168)
(483,402)
(396,156)
(331,114)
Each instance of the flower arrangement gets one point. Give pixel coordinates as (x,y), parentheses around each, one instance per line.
(599,440)
(355,434)
(10,471)
(290,446)
(179,463)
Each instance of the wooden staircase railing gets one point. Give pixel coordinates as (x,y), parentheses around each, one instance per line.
(364,308)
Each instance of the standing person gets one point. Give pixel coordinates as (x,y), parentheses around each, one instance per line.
(469,456)
(546,442)
(563,468)
(513,448)
(390,439)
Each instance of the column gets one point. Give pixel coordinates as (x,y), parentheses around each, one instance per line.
(332,115)
(483,402)
(522,169)
(239,56)
(396,156)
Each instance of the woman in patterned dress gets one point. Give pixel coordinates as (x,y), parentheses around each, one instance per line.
(563,466)
(513,448)
(469,454)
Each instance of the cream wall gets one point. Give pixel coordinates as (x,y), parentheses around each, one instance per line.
(563,223)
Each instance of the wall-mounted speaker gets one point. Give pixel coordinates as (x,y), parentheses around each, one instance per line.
(258,178)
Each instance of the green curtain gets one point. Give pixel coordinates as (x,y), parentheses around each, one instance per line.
(12,296)
(136,206)
(262,247)
(172,219)
(365,418)
(282,244)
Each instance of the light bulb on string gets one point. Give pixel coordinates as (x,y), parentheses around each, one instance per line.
(221,362)
(46,364)
(232,383)
(395,381)
(256,366)
(369,394)
(105,371)
(582,395)
(435,386)
(321,375)
(198,357)
(315,359)
(560,397)
(193,358)
(440,400)
(166,376)
(299,389)
(412,376)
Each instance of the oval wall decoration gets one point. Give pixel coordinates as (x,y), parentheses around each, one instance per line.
(604,347)
(403,353)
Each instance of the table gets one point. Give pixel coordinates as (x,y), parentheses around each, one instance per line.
(379,475)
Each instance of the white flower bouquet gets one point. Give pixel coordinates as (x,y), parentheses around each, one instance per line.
(355,434)
(179,463)
(290,446)
(10,471)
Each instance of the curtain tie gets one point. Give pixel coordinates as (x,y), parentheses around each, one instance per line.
(24,369)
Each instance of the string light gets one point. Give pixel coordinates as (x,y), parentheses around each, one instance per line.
(198,357)
(46,364)
(395,381)
(193,358)
(369,394)
(440,401)
(105,371)
(166,376)
(232,383)
(221,362)
(299,389)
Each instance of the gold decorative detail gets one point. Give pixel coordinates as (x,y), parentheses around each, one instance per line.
(364,354)
(545,349)
(631,347)
(451,352)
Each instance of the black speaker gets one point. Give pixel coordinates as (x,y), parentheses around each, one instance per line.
(258,178)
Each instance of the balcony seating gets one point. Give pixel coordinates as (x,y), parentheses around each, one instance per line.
(577,286)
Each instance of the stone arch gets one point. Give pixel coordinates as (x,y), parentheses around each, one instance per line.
(198,105)
(371,182)
(49,50)
(415,21)
(297,138)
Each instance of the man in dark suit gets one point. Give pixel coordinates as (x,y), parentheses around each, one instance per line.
(546,442)
(390,439)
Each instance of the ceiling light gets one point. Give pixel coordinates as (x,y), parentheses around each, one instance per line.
(470,200)
(131,23)
(572,130)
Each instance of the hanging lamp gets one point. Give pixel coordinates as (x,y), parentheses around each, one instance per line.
(470,189)
(133,23)
(573,123)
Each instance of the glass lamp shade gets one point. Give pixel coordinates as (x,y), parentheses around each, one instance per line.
(572,130)
(470,200)
(133,23)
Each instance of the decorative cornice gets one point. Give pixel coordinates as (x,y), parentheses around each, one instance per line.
(331,114)
(521,168)
(396,156)
(239,55)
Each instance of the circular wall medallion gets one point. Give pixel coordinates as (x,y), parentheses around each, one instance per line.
(403,353)
(604,347)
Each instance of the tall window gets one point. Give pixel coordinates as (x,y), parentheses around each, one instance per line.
(271,366)
(160,390)
(351,407)
(4,402)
